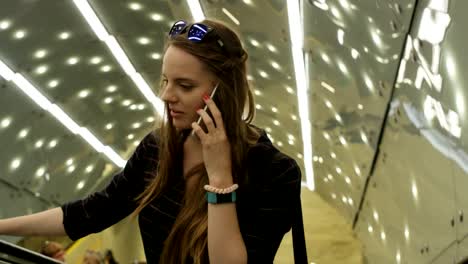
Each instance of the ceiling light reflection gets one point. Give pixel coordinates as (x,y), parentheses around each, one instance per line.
(157,17)
(89,169)
(357,170)
(20,34)
(144,41)
(111,88)
(14,165)
(53,83)
(135,6)
(40,172)
(231,16)
(23,133)
(73,60)
(407,233)
(383,236)
(325,58)
(254,42)
(40,53)
(354,53)
(80,185)
(340,36)
(42,69)
(328,87)
(272,48)
(96,60)
(321,4)
(5,122)
(275,65)
(64,35)
(71,169)
(5,24)
(414,190)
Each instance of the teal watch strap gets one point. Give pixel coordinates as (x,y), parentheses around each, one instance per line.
(216,198)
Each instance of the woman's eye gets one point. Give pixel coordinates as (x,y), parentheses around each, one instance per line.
(186,86)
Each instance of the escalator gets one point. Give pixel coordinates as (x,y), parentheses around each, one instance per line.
(13,254)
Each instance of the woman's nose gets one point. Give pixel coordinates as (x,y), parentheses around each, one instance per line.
(168,95)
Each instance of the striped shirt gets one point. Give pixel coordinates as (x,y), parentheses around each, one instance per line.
(264,209)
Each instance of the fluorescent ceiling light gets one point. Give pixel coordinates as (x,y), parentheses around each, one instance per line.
(34,94)
(92,19)
(328,87)
(231,16)
(196,9)
(6,72)
(119,54)
(297,40)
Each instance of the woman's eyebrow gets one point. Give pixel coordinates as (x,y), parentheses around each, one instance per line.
(182,79)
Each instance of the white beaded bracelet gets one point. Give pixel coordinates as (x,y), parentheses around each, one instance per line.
(221,191)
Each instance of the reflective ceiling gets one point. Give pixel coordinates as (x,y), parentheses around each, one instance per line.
(385,100)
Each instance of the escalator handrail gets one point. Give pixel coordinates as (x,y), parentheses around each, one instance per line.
(16,254)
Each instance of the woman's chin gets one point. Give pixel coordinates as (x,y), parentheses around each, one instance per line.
(179,126)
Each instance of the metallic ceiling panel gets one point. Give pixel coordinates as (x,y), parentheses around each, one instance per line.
(453,98)
(140,31)
(42,33)
(410,199)
(424,141)
(353,56)
(447,256)
(461,254)
(40,149)
(461,214)
(33,45)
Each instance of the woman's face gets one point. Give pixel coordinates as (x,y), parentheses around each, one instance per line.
(185,81)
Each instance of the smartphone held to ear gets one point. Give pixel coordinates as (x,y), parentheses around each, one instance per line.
(206,106)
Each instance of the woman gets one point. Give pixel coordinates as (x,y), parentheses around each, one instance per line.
(222,194)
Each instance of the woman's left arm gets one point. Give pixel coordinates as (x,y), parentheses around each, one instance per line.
(225,243)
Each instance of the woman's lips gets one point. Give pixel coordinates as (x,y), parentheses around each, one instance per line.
(176,114)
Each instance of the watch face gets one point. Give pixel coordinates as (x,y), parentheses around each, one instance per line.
(217,198)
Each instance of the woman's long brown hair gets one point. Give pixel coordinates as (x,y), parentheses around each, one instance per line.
(188,237)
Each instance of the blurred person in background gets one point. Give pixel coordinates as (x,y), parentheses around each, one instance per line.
(109,257)
(53,250)
(92,257)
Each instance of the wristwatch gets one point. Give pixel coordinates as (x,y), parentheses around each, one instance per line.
(218,198)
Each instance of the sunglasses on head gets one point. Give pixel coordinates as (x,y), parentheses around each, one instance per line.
(196,32)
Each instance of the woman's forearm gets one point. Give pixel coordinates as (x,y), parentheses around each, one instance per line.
(225,243)
(46,223)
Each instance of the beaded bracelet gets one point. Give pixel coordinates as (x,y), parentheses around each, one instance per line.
(221,191)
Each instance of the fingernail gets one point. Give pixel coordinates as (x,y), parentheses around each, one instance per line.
(206,97)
